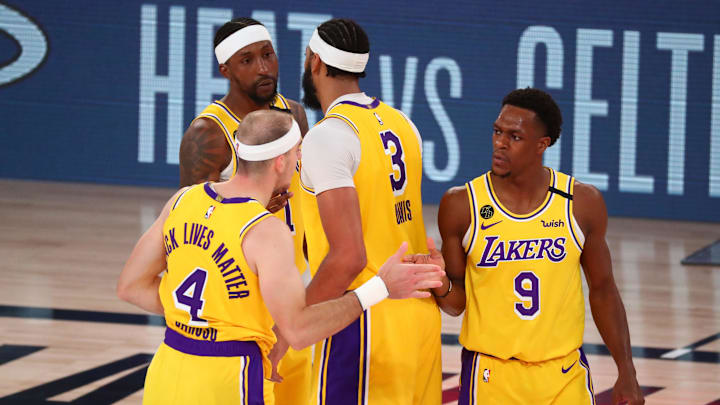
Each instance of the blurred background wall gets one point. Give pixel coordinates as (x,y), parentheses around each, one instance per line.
(97,91)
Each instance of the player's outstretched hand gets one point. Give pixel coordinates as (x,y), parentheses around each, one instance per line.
(627,391)
(278,201)
(408,280)
(433,257)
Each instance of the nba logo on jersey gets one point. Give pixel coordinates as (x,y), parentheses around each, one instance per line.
(209,211)
(486,375)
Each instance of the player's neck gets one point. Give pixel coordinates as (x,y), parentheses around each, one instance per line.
(240,104)
(522,189)
(334,88)
(244,186)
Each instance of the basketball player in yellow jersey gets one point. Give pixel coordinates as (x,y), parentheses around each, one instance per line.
(361,174)
(231,275)
(514,240)
(246,57)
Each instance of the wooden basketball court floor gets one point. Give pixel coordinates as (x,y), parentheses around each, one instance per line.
(66,338)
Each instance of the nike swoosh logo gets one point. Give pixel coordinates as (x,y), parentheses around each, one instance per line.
(565,370)
(483,227)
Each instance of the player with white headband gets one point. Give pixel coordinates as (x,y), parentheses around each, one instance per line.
(231,276)
(361,175)
(245,55)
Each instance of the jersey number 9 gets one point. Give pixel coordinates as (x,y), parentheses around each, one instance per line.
(527,288)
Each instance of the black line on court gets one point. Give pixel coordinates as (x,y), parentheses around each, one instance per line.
(446,338)
(702,342)
(116,390)
(9,353)
(106,394)
(12,311)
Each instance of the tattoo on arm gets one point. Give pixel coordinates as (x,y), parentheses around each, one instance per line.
(204,153)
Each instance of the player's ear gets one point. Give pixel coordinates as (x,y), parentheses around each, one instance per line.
(543,143)
(279,163)
(315,62)
(223,69)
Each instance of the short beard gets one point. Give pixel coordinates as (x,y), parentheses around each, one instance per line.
(259,100)
(310,98)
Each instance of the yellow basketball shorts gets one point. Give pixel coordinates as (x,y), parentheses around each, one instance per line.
(488,380)
(188,371)
(296,371)
(388,356)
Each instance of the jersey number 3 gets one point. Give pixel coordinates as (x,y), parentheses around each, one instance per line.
(393,147)
(188,296)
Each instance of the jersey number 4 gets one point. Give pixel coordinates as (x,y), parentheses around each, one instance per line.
(188,296)
(393,148)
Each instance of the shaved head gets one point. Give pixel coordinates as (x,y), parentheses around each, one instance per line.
(263,126)
(258,128)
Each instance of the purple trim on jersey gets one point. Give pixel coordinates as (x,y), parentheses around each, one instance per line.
(475,215)
(466,376)
(570,217)
(366,354)
(227,111)
(497,203)
(584,363)
(343,366)
(375,103)
(233,348)
(235,200)
(179,197)
(323,364)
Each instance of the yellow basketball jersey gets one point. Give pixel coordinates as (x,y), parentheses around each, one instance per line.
(291,214)
(387,182)
(209,292)
(228,122)
(522,278)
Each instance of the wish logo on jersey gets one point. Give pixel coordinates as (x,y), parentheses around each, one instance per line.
(497,251)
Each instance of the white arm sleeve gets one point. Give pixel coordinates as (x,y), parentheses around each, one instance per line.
(330,156)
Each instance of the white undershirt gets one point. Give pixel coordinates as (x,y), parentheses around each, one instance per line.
(331,150)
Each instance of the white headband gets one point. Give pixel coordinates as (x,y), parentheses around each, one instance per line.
(266,151)
(343,60)
(240,39)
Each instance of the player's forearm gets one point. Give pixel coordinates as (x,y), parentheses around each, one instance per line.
(334,276)
(454,302)
(318,321)
(609,315)
(144,294)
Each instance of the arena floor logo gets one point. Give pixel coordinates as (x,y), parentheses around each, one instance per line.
(31,42)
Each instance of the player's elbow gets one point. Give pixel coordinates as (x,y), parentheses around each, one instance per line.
(125,290)
(452,309)
(299,342)
(297,337)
